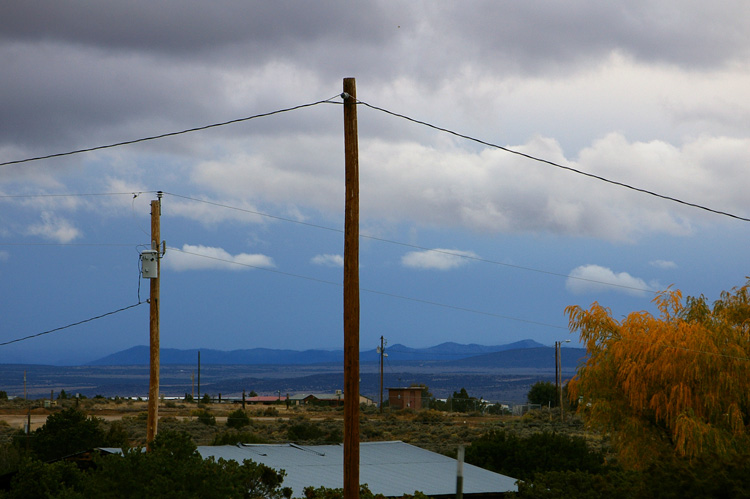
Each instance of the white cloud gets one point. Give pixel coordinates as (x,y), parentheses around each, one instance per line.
(328,260)
(438,259)
(489,190)
(596,279)
(55,228)
(206,257)
(663,264)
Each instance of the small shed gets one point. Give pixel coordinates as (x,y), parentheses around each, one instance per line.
(405,398)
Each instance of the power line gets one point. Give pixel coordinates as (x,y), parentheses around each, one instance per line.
(73,195)
(73,324)
(398,115)
(168,134)
(556,165)
(69,244)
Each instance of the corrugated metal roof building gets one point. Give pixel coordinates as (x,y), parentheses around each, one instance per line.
(389,468)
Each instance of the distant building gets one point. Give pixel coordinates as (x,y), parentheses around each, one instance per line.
(336,398)
(405,398)
(265,399)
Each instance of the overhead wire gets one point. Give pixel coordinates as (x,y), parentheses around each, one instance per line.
(398,115)
(552,163)
(167,134)
(73,324)
(76,194)
(394,114)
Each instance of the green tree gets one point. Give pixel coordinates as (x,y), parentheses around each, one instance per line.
(522,458)
(543,393)
(172,469)
(65,433)
(364,493)
(672,384)
(462,402)
(614,484)
(38,479)
(116,436)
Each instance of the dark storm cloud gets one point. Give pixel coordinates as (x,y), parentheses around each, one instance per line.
(87,72)
(187,27)
(81,73)
(536,34)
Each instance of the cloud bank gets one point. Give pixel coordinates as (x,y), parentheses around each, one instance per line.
(437,259)
(588,279)
(192,257)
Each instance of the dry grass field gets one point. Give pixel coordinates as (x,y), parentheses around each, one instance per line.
(438,431)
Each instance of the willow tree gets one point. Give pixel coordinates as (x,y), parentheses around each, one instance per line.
(676,384)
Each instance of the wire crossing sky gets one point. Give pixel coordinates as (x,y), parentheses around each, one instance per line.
(513,162)
(446,130)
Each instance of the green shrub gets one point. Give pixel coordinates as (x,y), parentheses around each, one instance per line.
(430,416)
(271,412)
(238,419)
(206,418)
(304,432)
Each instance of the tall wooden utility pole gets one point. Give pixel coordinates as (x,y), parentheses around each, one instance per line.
(351,293)
(153,386)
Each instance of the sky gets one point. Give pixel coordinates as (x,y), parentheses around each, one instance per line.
(462,239)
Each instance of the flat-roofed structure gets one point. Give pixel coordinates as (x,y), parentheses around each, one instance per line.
(389,468)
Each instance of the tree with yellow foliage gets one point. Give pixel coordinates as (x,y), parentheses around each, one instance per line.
(677,384)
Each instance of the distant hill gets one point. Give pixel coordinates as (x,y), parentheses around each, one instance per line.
(449,351)
(139,355)
(542,357)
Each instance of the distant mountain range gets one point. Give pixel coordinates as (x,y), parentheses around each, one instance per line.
(449,351)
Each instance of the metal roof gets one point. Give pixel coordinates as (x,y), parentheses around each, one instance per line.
(319,396)
(389,468)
